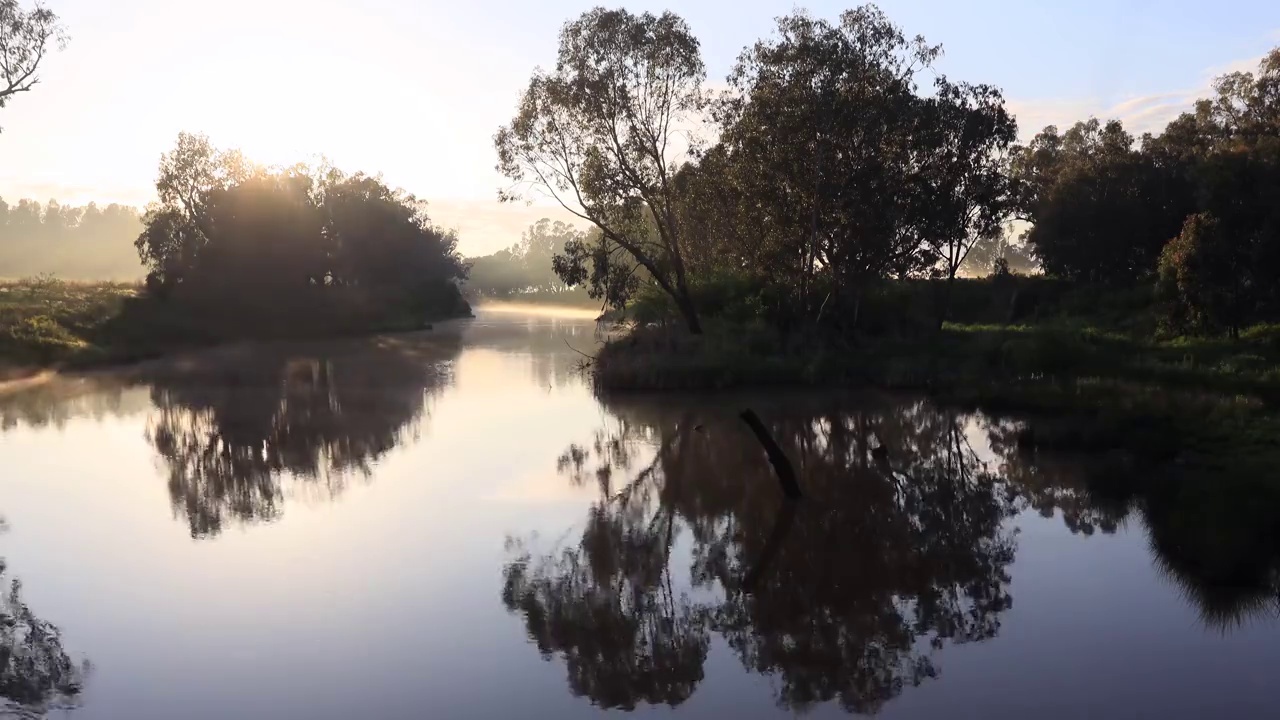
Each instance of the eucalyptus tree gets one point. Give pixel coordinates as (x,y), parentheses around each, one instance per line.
(600,134)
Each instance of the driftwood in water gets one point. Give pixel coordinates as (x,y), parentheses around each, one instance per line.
(781,465)
(781,528)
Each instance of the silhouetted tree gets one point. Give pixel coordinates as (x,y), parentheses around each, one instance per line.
(294,248)
(1100,209)
(597,135)
(969,193)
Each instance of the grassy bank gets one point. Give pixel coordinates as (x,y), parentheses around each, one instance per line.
(46,322)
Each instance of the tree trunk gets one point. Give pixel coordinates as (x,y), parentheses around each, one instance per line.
(943,299)
(687,310)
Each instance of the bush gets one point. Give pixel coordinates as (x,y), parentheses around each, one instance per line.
(1202,279)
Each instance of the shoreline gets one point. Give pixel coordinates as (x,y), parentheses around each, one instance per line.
(15,377)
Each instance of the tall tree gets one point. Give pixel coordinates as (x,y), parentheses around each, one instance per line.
(825,119)
(26,37)
(968,193)
(599,135)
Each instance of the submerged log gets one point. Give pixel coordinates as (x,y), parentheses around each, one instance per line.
(781,465)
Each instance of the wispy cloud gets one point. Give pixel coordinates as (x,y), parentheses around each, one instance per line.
(1140,114)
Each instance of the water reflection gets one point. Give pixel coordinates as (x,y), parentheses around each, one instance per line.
(899,548)
(237,430)
(902,546)
(553,348)
(237,437)
(52,404)
(1212,534)
(36,673)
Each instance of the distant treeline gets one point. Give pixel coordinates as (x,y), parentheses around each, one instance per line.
(526,270)
(74,243)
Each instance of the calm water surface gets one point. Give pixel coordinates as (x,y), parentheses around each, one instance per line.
(450,525)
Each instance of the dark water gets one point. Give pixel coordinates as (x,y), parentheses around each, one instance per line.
(450,525)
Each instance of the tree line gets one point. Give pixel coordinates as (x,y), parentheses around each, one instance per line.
(80,243)
(840,157)
(525,269)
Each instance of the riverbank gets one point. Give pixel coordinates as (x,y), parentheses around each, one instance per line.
(956,357)
(50,324)
(1210,405)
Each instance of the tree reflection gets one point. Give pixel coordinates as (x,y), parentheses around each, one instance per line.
(239,434)
(898,549)
(608,605)
(54,401)
(1212,533)
(36,673)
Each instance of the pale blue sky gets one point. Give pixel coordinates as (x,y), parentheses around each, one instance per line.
(415,89)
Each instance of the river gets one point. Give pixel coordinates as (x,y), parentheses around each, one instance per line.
(451,525)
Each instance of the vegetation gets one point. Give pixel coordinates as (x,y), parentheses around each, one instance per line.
(72,243)
(524,272)
(296,249)
(236,251)
(45,321)
(822,237)
(26,38)
(596,135)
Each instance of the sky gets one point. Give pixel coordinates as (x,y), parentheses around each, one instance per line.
(415,89)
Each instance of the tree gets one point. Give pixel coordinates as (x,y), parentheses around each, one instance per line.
(1204,277)
(1100,210)
(283,245)
(80,243)
(825,122)
(986,252)
(1247,106)
(178,227)
(26,37)
(381,237)
(969,194)
(528,265)
(599,134)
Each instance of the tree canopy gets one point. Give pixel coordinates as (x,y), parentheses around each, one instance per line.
(292,240)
